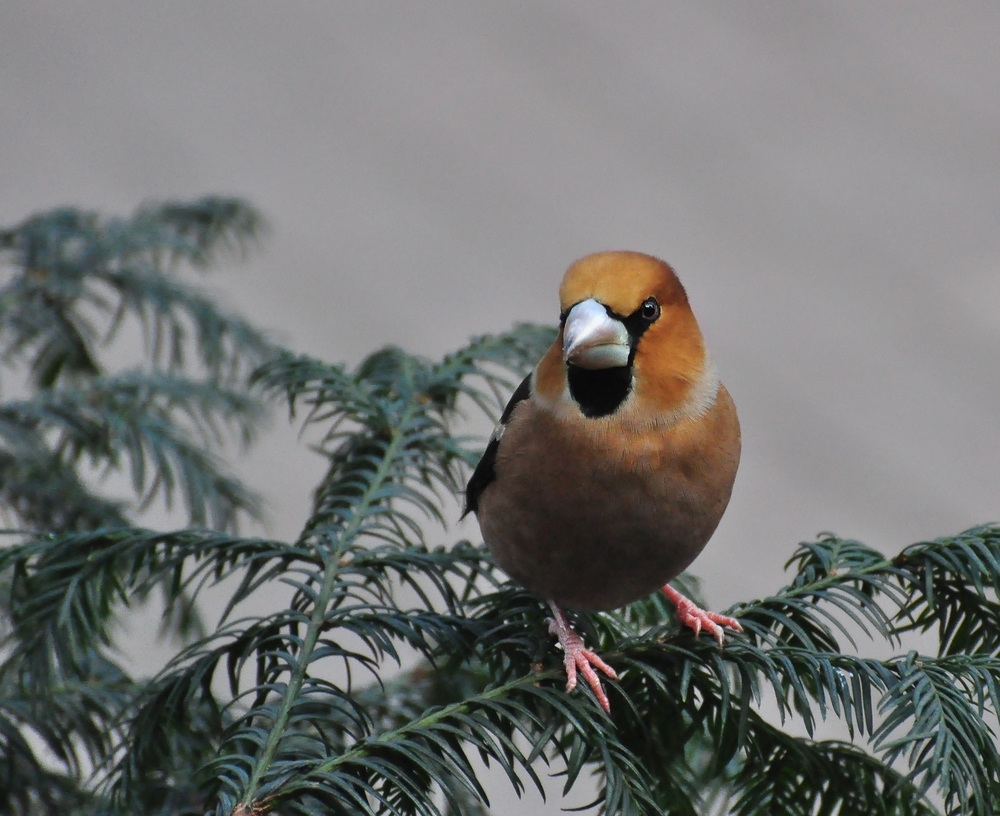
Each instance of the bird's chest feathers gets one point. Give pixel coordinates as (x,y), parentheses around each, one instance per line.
(585,456)
(594,513)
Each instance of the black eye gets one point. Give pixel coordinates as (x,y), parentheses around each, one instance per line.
(650,309)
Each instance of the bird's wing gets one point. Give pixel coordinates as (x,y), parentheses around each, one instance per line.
(484,472)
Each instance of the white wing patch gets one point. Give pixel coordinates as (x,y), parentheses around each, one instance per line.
(498,430)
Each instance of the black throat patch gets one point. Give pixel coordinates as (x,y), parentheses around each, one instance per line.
(599,392)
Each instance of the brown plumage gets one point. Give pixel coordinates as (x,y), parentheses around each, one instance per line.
(615,459)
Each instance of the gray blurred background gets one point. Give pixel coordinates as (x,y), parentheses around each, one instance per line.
(825,178)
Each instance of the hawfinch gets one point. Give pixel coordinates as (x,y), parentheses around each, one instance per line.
(614,460)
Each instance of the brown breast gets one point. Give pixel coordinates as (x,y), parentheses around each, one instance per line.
(594,517)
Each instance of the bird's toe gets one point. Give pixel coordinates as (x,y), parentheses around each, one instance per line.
(578,659)
(691,615)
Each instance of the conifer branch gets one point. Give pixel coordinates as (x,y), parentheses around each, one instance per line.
(292,710)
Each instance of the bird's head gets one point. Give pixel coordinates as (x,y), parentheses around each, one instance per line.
(628,342)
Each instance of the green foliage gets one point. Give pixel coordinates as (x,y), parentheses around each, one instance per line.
(73,285)
(77,295)
(315,706)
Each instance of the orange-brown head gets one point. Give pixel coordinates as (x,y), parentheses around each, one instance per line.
(628,343)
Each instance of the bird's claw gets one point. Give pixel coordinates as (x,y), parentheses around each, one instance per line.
(692,615)
(578,659)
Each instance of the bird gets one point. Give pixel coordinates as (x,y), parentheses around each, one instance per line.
(614,460)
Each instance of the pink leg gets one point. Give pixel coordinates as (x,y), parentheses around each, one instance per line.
(576,657)
(691,615)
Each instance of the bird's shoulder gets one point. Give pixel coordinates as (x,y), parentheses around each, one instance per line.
(485,472)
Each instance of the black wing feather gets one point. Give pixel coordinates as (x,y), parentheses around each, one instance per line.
(484,474)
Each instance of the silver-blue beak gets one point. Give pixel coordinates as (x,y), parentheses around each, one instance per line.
(593,339)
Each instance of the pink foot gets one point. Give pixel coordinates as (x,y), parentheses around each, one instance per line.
(577,658)
(697,618)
